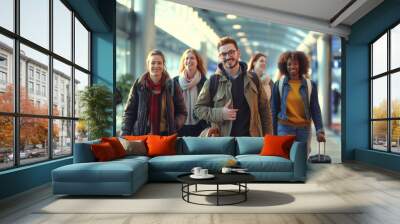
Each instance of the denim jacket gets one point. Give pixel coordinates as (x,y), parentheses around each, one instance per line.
(312,108)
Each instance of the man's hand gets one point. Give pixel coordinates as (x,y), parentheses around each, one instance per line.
(228,112)
(321,137)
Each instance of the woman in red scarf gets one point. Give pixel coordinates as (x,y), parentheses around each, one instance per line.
(155,105)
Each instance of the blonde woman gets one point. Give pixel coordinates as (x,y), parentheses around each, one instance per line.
(258,65)
(192,75)
(155,105)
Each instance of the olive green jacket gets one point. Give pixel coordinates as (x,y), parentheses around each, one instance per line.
(260,112)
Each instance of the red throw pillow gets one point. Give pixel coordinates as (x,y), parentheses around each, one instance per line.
(116,145)
(103,152)
(161,145)
(134,138)
(277,145)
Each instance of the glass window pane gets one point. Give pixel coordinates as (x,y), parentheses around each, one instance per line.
(81,45)
(7,14)
(33,139)
(35,21)
(81,131)
(62,138)
(395,47)
(6,142)
(62,89)
(379,135)
(62,29)
(395,136)
(6,74)
(379,55)
(34,96)
(81,81)
(395,95)
(379,98)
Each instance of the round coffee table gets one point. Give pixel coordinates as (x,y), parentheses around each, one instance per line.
(238,179)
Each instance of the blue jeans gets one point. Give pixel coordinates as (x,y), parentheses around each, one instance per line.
(303,134)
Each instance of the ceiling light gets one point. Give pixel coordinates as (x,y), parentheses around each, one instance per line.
(244,39)
(255,43)
(241,34)
(237,27)
(230,16)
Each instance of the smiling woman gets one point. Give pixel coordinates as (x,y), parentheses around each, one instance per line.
(155,105)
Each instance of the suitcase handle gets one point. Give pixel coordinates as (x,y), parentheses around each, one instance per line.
(319,150)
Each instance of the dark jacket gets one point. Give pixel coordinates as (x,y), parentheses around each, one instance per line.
(135,118)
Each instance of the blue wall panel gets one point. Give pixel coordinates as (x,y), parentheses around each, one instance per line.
(357,65)
(24,178)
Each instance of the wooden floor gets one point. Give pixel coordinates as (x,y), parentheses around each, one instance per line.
(377,189)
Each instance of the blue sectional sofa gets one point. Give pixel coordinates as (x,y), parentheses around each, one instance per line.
(125,176)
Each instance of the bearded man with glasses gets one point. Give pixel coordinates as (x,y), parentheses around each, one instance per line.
(232,100)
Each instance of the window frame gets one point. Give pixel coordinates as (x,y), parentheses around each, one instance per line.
(16,114)
(388,74)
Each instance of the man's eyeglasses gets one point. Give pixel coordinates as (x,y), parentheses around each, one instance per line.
(230,53)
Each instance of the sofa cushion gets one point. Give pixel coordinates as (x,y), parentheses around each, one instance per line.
(112,171)
(210,145)
(185,163)
(257,163)
(249,145)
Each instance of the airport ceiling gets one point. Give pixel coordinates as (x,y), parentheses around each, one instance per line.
(255,36)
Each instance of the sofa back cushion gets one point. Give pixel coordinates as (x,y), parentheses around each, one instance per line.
(209,145)
(249,145)
(83,153)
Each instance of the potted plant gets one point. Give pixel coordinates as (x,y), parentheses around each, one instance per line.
(96,102)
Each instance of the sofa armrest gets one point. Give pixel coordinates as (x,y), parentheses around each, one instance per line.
(83,152)
(298,155)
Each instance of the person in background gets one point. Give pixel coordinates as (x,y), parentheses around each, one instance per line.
(258,65)
(192,75)
(232,99)
(155,105)
(295,100)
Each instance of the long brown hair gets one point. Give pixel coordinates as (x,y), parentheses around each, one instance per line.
(200,62)
(253,60)
(300,56)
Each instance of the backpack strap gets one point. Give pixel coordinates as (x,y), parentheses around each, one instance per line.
(309,86)
(214,82)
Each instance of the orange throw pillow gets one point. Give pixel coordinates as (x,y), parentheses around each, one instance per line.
(277,145)
(116,145)
(161,145)
(103,152)
(135,138)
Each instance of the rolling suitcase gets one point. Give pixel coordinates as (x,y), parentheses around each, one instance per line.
(320,158)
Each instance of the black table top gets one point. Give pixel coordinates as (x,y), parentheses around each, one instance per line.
(220,178)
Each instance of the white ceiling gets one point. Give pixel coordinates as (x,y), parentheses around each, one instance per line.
(319,9)
(315,15)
